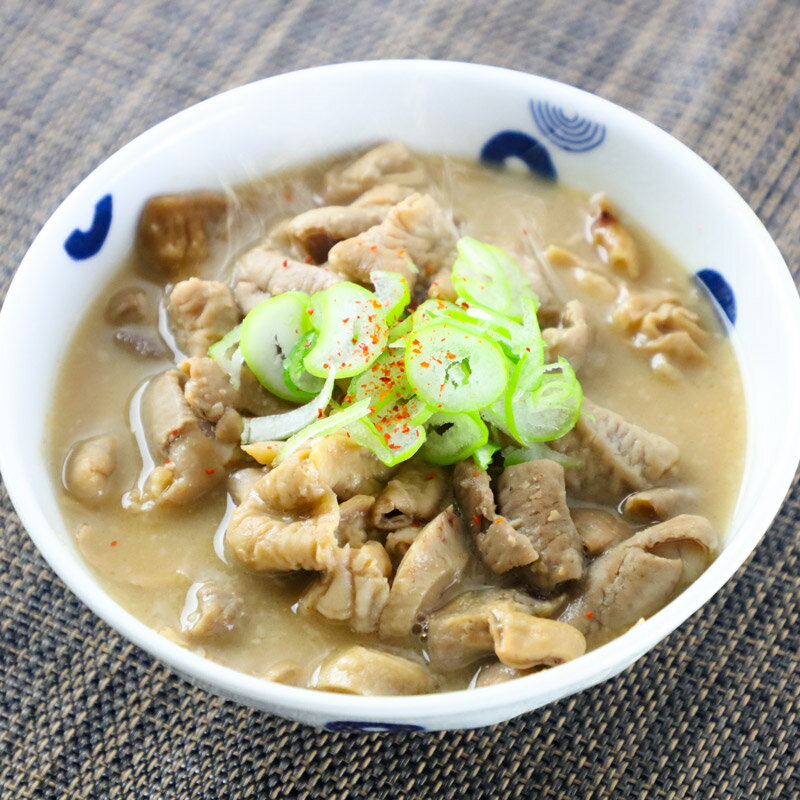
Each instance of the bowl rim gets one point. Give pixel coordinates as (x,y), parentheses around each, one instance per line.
(492,701)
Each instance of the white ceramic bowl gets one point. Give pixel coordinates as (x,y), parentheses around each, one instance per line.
(459,109)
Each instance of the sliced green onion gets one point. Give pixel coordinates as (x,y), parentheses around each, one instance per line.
(454,370)
(484,454)
(392,291)
(489,276)
(270,333)
(324,426)
(295,374)
(403,445)
(547,411)
(352,330)
(384,382)
(280,426)
(526,339)
(399,330)
(231,362)
(453,437)
(535,452)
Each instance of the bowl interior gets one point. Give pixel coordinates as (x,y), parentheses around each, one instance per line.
(436,107)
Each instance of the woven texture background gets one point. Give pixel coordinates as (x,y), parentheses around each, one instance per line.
(710,713)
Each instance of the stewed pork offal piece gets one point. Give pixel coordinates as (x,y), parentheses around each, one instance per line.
(396,424)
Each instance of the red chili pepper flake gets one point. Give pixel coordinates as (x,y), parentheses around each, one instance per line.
(476,520)
(373,247)
(451,355)
(114,543)
(346,320)
(168,463)
(310,311)
(424,364)
(210,471)
(319,412)
(430,476)
(401,252)
(285,263)
(289,197)
(415,524)
(309,260)
(175,432)
(476,474)
(590,614)
(525,231)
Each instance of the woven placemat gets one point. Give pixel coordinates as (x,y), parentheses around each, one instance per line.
(710,713)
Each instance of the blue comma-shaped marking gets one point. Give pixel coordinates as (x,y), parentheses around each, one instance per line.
(516,144)
(373,727)
(720,290)
(570,132)
(80,244)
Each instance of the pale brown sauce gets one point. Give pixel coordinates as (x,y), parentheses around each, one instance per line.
(148,561)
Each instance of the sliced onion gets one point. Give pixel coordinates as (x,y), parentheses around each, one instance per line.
(280,426)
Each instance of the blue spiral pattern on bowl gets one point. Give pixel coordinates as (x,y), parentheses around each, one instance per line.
(570,132)
(372,727)
(516,144)
(80,244)
(720,290)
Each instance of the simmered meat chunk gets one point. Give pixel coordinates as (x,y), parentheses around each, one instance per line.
(415,494)
(129,306)
(435,561)
(208,389)
(209,392)
(355,588)
(314,232)
(598,529)
(615,456)
(638,576)
(354,525)
(476,623)
(417,235)
(500,545)
(613,237)
(210,611)
(657,322)
(242,481)
(89,468)
(383,196)
(533,501)
(390,163)
(441,287)
(175,230)
(263,272)
(492,674)
(287,522)
(145,345)
(190,460)
(362,670)
(347,467)
(658,504)
(398,542)
(572,339)
(201,313)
